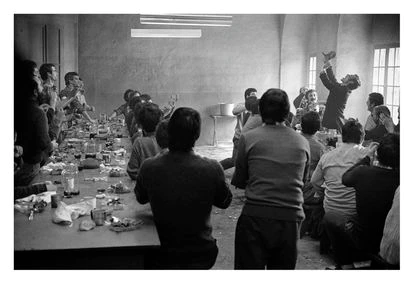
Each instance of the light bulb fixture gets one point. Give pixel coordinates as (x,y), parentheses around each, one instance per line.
(187,20)
(166,33)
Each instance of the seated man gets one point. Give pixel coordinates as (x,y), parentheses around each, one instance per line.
(333,117)
(309,103)
(123,109)
(300,98)
(182,187)
(30,124)
(242,115)
(161,135)
(390,242)
(379,114)
(374,187)
(339,200)
(271,165)
(73,90)
(374,99)
(144,147)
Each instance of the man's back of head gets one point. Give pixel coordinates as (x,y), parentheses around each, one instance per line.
(310,123)
(183,129)
(149,116)
(250,92)
(352,132)
(274,106)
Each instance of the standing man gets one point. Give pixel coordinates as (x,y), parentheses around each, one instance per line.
(271,165)
(182,188)
(242,115)
(49,96)
(333,117)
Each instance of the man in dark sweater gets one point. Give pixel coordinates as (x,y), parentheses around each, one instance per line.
(379,113)
(182,187)
(30,124)
(374,187)
(271,164)
(333,117)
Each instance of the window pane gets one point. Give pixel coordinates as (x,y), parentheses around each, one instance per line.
(375,77)
(381,76)
(390,79)
(396,96)
(376,57)
(382,57)
(389,96)
(395,114)
(380,89)
(397,77)
(397,56)
(391,57)
(375,88)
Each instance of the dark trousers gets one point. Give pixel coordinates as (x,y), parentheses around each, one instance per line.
(343,236)
(173,258)
(229,162)
(264,243)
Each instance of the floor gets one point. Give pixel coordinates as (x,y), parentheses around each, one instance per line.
(224,223)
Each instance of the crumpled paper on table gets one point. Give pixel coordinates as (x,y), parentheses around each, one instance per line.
(65,214)
(52,166)
(45,196)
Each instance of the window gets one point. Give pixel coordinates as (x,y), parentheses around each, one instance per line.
(312,73)
(386,77)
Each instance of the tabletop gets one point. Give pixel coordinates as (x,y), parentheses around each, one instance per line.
(42,234)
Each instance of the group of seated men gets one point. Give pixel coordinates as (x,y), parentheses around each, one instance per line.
(274,164)
(41,113)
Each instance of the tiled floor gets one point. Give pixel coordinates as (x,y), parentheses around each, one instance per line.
(224,223)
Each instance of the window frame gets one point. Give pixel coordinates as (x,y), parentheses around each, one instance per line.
(311,85)
(375,87)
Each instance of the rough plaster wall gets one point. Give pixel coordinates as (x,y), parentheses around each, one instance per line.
(216,68)
(28,38)
(354,52)
(295,42)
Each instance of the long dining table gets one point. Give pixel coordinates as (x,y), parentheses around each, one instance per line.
(41,244)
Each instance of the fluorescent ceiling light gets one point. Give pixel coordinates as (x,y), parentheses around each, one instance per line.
(187,20)
(166,33)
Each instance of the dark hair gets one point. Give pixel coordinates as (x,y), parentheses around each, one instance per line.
(127,94)
(252,104)
(183,129)
(44,69)
(355,82)
(161,133)
(388,151)
(376,98)
(310,123)
(274,106)
(145,97)
(382,109)
(25,84)
(248,91)
(149,116)
(352,132)
(133,100)
(69,76)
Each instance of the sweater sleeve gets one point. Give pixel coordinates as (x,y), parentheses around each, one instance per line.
(140,190)
(351,176)
(241,175)
(296,102)
(42,133)
(24,191)
(134,161)
(223,196)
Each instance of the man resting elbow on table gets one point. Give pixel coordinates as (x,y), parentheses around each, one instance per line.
(149,115)
(182,187)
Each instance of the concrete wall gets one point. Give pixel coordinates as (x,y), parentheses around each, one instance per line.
(216,68)
(29,42)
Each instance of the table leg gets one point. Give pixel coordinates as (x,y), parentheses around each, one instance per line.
(214,133)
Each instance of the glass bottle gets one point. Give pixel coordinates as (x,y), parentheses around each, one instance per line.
(70,180)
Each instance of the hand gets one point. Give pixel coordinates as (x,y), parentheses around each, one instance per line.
(55,144)
(387,122)
(92,108)
(371,149)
